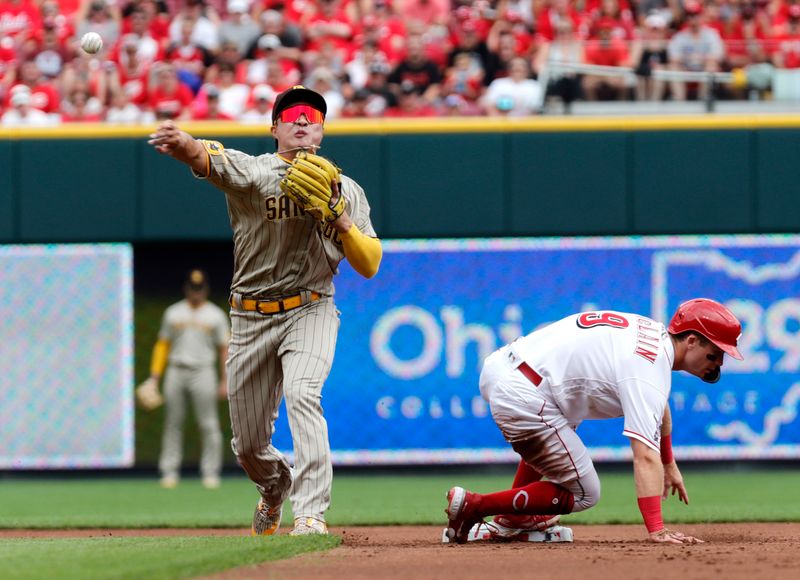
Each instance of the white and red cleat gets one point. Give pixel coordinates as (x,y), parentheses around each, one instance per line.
(461,514)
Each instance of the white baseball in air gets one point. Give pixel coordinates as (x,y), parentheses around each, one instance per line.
(91,42)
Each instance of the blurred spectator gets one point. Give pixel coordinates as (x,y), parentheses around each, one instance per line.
(43,94)
(228,54)
(381,96)
(123,111)
(86,71)
(238,28)
(51,51)
(416,68)
(469,42)
(429,12)
(611,13)
(8,64)
(464,78)
(260,109)
(745,37)
(516,95)
(523,10)
(148,49)
(669,10)
(233,96)
(553,13)
(650,54)
(331,26)
(410,103)
(81,106)
(157,17)
(190,59)
(777,11)
(167,97)
(21,113)
(54,18)
(696,47)
(292,10)
(20,19)
(325,83)
(607,45)
(273,23)
(508,37)
(386,29)
(787,53)
(132,71)
(356,106)
(357,69)
(210,111)
(97,16)
(568,49)
(205,32)
(271,67)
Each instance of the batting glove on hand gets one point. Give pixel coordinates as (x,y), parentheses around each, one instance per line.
(314,184)
(148,395)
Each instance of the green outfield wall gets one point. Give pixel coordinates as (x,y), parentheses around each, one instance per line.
(429,178)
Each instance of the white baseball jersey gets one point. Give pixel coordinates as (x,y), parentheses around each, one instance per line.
(598,365)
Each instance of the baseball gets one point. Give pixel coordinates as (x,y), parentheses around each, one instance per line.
(91,42)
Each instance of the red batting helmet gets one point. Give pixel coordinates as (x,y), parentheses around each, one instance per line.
(712,320)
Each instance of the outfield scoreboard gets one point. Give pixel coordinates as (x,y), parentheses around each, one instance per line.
(404,384)
(66,357)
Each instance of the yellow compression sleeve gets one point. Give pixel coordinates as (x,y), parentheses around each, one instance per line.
(159,361)
(363,252)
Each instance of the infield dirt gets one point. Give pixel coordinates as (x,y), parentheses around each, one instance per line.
(731,551)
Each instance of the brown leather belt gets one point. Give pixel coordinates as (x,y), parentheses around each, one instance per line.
(271,306)
(530,374)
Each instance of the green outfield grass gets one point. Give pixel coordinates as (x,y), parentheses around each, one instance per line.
(51,503)
(152,558)
(718,496)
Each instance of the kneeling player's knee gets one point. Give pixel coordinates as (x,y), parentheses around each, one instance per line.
(587,493)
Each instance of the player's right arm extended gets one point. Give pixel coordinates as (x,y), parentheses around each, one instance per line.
(158,362)
(648,475)
(170,140)
(673,480)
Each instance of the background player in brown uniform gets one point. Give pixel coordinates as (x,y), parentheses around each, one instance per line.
(284,321)
(193,337)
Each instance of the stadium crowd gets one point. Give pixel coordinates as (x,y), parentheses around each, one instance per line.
(227,59)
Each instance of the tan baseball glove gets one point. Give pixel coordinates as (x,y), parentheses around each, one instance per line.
(314,184)
(148,396)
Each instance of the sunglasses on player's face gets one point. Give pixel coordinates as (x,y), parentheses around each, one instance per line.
(293,113)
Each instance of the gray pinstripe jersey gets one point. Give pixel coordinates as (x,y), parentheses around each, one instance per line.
(279,250)
(195,334)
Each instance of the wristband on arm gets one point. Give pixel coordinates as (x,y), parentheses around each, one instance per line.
(666,449)
(651,513)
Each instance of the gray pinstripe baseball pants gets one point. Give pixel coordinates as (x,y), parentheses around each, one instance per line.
(201,385)
(286,355)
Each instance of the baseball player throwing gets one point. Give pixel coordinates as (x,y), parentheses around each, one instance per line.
(193,337)
(294,218)
(593,365)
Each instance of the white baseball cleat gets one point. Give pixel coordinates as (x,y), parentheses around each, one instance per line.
(484,531)
(308,527)
(508,526)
